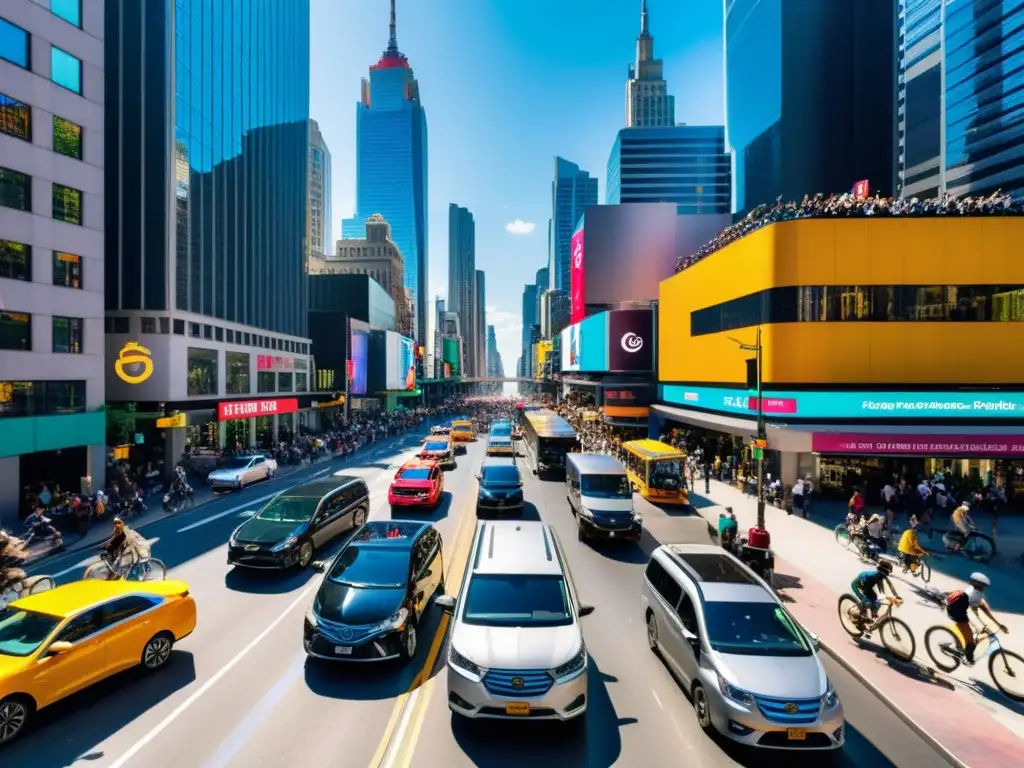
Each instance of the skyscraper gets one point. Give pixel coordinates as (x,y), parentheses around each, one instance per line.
(318,235)
(391,165)
(480,323)
(955,126)
(572,190)
(462,275)
(529,312)
(806,110)
(648,102)
(682,164)
(495,367)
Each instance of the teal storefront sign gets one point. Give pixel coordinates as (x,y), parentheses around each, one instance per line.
(851,404)
(51,433)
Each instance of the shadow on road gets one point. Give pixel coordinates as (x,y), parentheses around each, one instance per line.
(634,552)
(260,582)
(423,514)
(993,694)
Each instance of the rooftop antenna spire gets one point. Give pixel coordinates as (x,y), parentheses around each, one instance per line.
(643,17)
(393,38)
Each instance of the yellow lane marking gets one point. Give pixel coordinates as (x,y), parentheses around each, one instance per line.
(464,530)
(419,713)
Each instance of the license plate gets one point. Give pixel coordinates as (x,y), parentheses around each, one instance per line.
(796,734)
(343,650)
(518,708)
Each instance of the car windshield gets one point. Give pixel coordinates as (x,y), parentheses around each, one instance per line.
(381,567)
(754,629)
(501,430)
(606,486)
(436,446)
(501,475)
(289,509)
(416,473)
(239,462)
(517,601)
(22,632)
(666,474)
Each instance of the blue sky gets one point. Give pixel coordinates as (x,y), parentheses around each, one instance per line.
(507,85)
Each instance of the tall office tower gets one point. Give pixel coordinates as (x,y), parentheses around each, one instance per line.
(206,196)
(391,165)
(462,274)
(52,388)
(806,110)
(529,318)
(682,164)
(956,130)
(648,102)
(480,323)
(318,208)
(495,366)
(572,190)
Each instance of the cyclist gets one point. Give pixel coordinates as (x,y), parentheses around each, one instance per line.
(957,605)
(964,525)
(867,582)
(910,548)
(12,556)
(124,543)
(727,528)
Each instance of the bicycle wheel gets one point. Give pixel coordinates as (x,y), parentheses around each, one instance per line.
(979,548)
(842,534)
(98,570)
(943,646)
(924,571)
(849,610)
(898,638)
(151,570)
(1007,670)
(40,584)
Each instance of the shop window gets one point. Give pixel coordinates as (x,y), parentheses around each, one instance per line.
(238,373)
(284,382)
(202,371)
(15,331)
(15,260)
(300,382)
(65,70)
(14,44)
(15,118)
(15,189)
(67,204)
(67,269)
(64,397)
(67,138)
(67,335)
(266,381)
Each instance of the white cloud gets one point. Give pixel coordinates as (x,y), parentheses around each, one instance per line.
(519,227)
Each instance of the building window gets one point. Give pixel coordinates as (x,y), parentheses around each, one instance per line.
(202,371)
(193,330)
(39,398)
(15,118)
(265,381)
(120,325)
(15,331)
(15,260)
(149,325)
(15,189)
(179,327)
(300,382)
(67,138)
(69,10)
(231,336)
(65,70)
(284,382)
(67,204)
(67,335)
(165,325)
(67,269)
(14,45)
(207,331)
(218,333)
(238,373)
(64,397)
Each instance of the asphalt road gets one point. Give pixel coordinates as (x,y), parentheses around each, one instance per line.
(240,691)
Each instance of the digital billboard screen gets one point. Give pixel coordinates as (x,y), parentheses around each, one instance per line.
(394,378)
(577,297)
(594,343)
(630,340)
(407,363)
(451,354)
(570,345)
(360,337)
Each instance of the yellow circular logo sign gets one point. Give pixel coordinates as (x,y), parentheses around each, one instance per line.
(134,364)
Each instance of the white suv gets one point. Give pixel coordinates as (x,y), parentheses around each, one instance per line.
(516,648)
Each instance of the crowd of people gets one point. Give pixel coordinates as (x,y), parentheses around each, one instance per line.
(595,436)
(851,206)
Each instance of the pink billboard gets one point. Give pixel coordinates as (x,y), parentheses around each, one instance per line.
(983,446)
(576,292)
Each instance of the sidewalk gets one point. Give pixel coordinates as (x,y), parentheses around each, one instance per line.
(964,712)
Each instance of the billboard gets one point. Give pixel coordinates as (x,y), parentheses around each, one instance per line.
(358,353)
(407,363)
(585,346)
(630,340)
(394,377)
(577,295)
(570,345)
(452,354)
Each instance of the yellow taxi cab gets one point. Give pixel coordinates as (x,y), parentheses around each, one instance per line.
(56,643)
(438,448)
(462,432)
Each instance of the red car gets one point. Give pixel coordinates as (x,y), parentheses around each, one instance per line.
(417,484)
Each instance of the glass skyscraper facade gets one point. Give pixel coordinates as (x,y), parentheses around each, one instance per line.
(810,97)
(572,190)
(919,97)
(682,164)
(207,108)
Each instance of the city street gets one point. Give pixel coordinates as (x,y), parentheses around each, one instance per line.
(240,691)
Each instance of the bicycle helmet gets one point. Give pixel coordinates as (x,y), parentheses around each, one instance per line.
(981,579)
(118,521)
(885,567)
(965,505)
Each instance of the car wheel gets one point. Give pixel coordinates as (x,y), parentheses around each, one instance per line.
(15,712)
(652,632)
(270,473)
(580,535)
(410,640)
(702,707)
(157,652)
(305,554)
(359,517)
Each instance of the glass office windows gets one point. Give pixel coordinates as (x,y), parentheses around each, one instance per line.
(69,10)
(15,189)
(300,382)
(67,269)
(14,44)
(15,331)
(17,398)
(238,373)
(15,118)
(202,371)
(15,260)
(67,335)
(284,382)
(63,396)
(67,204)
(266,381)
(65,70)
(40,398)
(67,138)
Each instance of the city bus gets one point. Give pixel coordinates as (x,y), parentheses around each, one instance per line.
(548,438)
(656,470)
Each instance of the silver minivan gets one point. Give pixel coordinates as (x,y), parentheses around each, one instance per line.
(601,497)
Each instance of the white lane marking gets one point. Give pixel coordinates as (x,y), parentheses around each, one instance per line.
(184,706)
(655,695)
(90,560)
(232,511)
(397,740)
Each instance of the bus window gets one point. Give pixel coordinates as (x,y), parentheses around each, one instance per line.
(666,474)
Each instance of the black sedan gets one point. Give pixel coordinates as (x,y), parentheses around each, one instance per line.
(501,487)
(376,590)
(294,524)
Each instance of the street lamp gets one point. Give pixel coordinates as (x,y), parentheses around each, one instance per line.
(761,440)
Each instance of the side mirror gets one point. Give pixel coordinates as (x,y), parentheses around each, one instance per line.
(446,603)
(692,639)
(585,610)
(319,566)
(61,646)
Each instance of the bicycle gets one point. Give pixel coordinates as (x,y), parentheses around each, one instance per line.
(923,570)
(974,545)
(896,634)
(150,569)
(945,647)
(30,585)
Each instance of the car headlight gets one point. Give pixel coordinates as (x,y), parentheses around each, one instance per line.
(738,695)
(484,493)
(288,543)
(572,668)
(831,699)
(586,513)
(395,621)
(463,664)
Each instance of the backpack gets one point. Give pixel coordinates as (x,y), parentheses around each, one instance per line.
(955,598)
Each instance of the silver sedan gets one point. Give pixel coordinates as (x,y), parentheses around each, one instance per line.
(241,471)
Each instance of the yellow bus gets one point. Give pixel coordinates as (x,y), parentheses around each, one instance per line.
(462,431)
(656,470)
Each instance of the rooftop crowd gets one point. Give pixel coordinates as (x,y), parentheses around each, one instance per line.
(848,206)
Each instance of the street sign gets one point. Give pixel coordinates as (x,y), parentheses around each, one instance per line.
(172,422)
(758,454)
(139,438)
